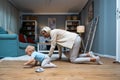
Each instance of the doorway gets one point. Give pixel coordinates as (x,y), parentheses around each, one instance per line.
(118,30)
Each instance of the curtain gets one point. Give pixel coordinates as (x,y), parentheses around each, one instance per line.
(9,17)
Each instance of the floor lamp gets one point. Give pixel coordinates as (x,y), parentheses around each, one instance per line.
(80,30)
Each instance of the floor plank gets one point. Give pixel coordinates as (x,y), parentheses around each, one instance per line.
(13,70)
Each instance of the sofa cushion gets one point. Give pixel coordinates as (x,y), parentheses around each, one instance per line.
(9,45)
(23,45)
(8,36)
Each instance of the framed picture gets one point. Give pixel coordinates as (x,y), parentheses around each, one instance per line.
(91,11)
(52,23)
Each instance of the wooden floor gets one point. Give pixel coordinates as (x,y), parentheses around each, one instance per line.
(13,70)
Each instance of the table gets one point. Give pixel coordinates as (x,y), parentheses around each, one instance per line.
(43,43)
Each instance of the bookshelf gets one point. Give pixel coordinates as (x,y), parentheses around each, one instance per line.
(29,28)
(71,25)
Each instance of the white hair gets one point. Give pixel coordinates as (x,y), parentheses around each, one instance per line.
(29,47)
(46,29)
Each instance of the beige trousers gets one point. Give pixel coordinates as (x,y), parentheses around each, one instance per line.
(74,52)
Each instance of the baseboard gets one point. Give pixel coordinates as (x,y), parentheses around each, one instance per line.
(108,56)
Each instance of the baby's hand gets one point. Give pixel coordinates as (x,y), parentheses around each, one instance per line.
(25,64)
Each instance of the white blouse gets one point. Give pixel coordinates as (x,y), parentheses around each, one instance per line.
(62,38)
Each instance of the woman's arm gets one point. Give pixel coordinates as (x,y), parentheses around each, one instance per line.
(51,51)
(60,51)
(53,44)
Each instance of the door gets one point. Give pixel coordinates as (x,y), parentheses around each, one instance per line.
(118,30)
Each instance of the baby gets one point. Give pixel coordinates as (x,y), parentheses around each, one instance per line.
(38,57)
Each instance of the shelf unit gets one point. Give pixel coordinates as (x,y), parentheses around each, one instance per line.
(29,28)
(71,25)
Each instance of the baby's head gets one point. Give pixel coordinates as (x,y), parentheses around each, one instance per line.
(29,50)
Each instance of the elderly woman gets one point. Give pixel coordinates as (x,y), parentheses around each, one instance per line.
(63,38)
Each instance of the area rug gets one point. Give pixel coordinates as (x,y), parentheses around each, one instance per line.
(26,57)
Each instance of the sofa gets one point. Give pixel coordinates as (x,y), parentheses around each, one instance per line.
(10,46)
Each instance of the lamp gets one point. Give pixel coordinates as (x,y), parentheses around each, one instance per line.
(80,29)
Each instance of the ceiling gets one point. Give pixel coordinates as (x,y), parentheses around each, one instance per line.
(49,6)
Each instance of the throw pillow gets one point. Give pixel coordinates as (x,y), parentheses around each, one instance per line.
(22,38)
(29,40)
